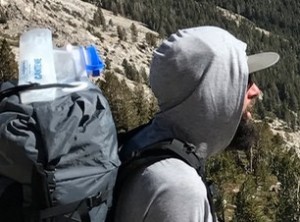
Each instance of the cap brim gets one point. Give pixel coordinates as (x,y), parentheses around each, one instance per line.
(262,61)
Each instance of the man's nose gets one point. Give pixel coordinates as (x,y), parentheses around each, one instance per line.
(253,91)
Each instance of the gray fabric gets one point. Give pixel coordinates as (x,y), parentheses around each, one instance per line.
(199,76)
(74,133)
(167,191)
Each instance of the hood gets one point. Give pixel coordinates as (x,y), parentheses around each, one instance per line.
(199,76)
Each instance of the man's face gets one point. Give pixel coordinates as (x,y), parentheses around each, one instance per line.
(252,94)
(246,134)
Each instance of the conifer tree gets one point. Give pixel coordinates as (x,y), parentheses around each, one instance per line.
(8,64)
(134,32)
(151,39)
(144,76)
(99,19)
(142,104)
(111,23)
(121,33)
(3,15)
(287,169)
(107,63)
(153,106)
(131,72)
(121,101)
(248,207)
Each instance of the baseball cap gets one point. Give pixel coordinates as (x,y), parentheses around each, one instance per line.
(260,61)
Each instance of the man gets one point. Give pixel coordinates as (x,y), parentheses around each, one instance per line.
(200,78)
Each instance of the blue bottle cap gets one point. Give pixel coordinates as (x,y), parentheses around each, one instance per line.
(96,65)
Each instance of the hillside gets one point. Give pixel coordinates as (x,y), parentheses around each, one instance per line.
(277,32)
(72,22)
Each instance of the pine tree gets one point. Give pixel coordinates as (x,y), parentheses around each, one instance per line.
(107,63)
(151,39)
(134,32)
(3,15)
(142,104)
(121,33)
(121,101)
(8,64)
(99,19)
(111,23)
(144,76)
(287,169)
(131,72)
(248,207)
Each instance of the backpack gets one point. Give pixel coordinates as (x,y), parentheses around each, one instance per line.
(169,148)
(58,159)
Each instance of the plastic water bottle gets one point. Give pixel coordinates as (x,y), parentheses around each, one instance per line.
(36,64)
(76,65)
(40,63)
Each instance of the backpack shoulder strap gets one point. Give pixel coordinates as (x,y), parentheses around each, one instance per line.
(172,148)
(168,148)
(127,135)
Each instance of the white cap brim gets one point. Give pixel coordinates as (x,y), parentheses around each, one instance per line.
(262,61)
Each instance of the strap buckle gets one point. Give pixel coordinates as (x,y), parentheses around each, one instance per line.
(50,174)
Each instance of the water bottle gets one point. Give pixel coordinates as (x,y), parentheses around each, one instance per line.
(76,65)
(36,64)
(43,64)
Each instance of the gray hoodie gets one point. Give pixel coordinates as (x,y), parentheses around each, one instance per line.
(199,76)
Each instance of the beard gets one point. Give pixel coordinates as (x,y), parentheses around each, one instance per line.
(245,137)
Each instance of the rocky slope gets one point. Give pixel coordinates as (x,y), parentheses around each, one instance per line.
(71,21)
(292,139)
